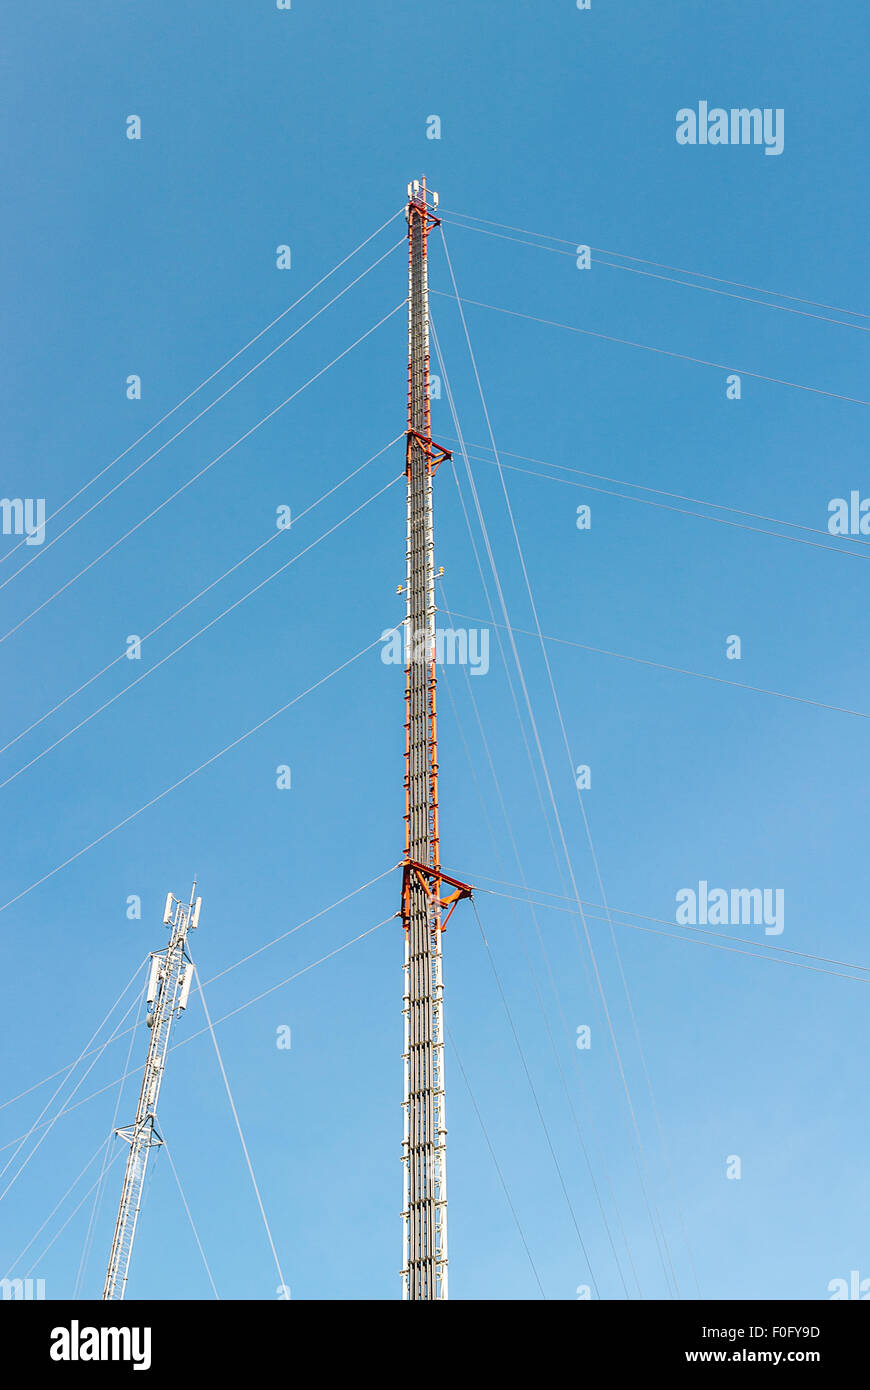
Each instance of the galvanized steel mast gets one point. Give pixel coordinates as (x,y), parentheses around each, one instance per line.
(169,982)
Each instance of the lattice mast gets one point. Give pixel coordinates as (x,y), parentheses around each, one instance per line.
(169,979)
(424,1212)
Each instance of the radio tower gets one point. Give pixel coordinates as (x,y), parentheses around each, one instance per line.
(169,984)
(424,1212)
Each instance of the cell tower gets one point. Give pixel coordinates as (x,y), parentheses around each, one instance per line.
(169,982)
(424,1212)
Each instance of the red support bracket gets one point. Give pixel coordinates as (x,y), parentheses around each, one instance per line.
(423,210)
(430,448)
(431,881)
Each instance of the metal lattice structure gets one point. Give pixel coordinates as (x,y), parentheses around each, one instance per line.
(424,1212)
(169,981)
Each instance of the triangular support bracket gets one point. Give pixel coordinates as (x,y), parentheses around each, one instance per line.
(436,454)
(431,880)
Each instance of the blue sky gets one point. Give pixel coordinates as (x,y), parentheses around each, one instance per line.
(157,257)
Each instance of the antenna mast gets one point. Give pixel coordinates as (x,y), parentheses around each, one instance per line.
(169,980)
(424,1212)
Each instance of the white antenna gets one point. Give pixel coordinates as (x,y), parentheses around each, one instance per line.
(186,982)
(153,979)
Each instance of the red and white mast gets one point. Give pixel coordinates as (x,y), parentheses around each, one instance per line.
(424,1212)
